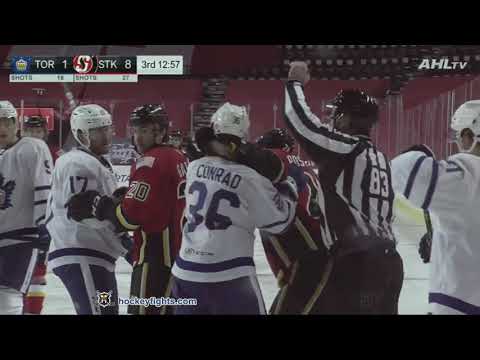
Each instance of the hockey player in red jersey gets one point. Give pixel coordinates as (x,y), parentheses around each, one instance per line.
(303,239)
(152,207)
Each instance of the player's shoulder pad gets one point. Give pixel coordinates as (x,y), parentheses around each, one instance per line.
(164,152)
(32,147)
(145,161)
(32,143)
(466,162)
(75,161)
(408,156)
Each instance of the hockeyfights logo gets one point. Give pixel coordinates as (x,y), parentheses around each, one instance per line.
(104,299)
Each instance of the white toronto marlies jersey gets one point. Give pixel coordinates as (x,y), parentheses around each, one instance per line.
(450,190)
(76,171)
(225,202)
(25,179)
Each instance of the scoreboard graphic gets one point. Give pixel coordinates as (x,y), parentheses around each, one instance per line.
(88,68)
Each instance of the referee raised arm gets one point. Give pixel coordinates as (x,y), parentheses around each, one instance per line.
(343,150)
(364,273)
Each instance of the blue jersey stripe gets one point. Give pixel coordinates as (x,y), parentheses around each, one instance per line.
(41,188)
(20,234)
(453,167)
(454,303)
(214,267)
(80,252)
(431,186)
(413,174)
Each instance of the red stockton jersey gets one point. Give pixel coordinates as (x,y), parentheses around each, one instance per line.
(303,236)
(154,204)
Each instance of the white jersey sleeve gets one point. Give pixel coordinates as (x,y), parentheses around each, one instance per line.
(431,184)
(307,126)
(271,210)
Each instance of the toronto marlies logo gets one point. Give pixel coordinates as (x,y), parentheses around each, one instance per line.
(104,299)
(6,191)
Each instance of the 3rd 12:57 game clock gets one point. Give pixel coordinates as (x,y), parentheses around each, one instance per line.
(87,68)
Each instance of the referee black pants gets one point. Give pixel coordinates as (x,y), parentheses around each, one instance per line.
(367,282)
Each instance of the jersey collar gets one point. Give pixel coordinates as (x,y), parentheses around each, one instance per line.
(100,158)
(2,151)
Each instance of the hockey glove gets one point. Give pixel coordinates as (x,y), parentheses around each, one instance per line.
(87,205)
(120,193)
(425,248)
(203,136)
(263,161)
(192,152)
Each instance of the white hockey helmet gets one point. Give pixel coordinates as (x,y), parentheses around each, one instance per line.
(232,120)
(87,117)
(7,110)
(467,116)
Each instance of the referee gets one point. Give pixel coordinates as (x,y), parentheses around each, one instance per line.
(364,272)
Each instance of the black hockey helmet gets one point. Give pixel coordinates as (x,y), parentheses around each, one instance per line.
(362,108)
(35,121)
(176,134)
(150,113)
(276,139)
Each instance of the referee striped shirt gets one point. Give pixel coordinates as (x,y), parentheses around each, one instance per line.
(359,172)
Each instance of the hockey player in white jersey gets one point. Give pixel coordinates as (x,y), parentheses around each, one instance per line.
(25,178)
(225,202)
(83,254)
(450,190)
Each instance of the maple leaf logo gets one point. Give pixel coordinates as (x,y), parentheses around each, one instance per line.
(6,191)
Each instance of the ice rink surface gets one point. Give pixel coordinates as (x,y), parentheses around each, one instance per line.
(413,298)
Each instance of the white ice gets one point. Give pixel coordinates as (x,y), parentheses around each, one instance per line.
(413,298)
